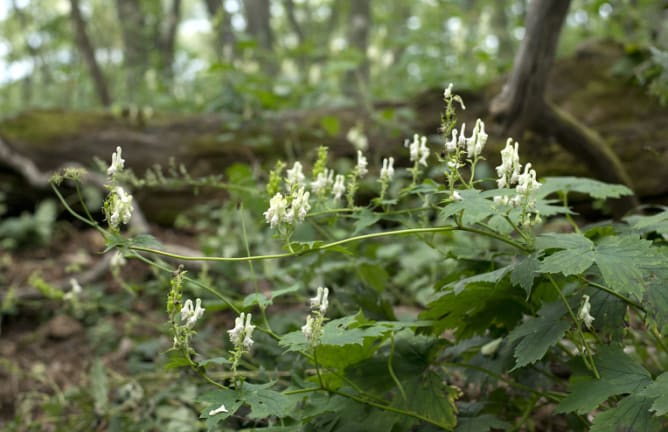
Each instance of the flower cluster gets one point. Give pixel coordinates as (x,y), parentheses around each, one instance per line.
(473,145)
(191,314)
(242,333)
(419,152)
(357,138)
(119,209)
(295,175)
(387,171)
(510,173)
(242,338)
(288,211)
(312,330)
(118,205)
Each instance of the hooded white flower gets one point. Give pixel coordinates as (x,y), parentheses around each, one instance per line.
(477,141)
(447,92)
(526,182)
(419,152)
(295,175)
(584,314)
(387,171)
(361,164)
(191,314)
(339,187)
(121,207)
(242,333)
(509,170)
(300,206)
(277,212)
(220,409)
(320,301)
(324,180)
(117,162)
(307,328)
(357,138)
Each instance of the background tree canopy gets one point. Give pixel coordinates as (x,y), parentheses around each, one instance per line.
(240,56)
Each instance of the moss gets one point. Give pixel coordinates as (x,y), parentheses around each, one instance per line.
(45,127)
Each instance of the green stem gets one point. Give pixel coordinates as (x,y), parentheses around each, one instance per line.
(73,213)
(386,407)
(615,294)
(587,355)
(390,369)
(553,396)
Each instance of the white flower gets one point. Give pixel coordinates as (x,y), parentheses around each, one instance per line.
(76,288)
(117,260)
(357,138)
(361,164)
(277,212)
(295,175)
(220,409)
(476,143)
(307,328)
(526,182)
(191,314)
(339,187)
(419,152)
(323,181)
(242,332)
(584,314)
(300,206)
(121,207)
(387,171)
(448,91)
(461,142)
(320,301)
(117,162)
(451,145)
(509,170)
(456,196)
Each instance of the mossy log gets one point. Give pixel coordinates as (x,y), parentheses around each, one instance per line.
(583,85)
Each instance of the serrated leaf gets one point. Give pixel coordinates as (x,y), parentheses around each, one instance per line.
(474,206)
(429,395)
(563,241)
(476,308)
(657,222)
(622,261)
(373,275)
(350,330)
(256,299)
(365,218)
(576,257)
(214,400)
(619,374)
(656,299)
(481,423)
(176,359)
(568,262)
(594,188)
(539,334)
(658,390)
(215,361)
(264,402)
(630,415)
(524,272)
(491,277)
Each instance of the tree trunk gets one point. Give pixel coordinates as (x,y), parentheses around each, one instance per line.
(135,47)
(359,24)
(222,24)
(88,53)
(167,40)
(258,26)
(522,106)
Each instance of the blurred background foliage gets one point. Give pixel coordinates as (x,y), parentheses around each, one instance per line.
(240,56)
